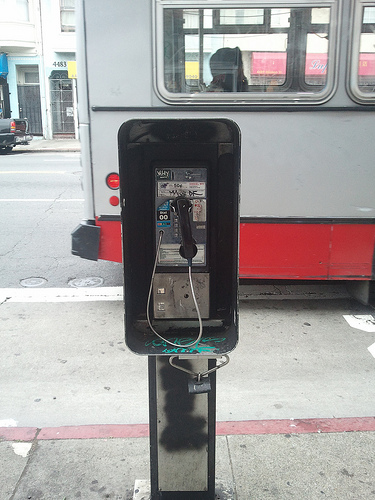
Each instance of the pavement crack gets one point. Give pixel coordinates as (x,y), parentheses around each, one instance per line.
(57,198)
(231,468)
(28,236)
(30,458)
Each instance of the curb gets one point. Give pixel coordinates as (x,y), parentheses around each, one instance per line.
(249,427)
(46,150)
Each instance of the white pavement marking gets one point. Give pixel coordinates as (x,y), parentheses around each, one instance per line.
(114,293)
(27,200)
(61,159)
(8,422)
(7,172)
(364,322)
(372,349)
(22,449)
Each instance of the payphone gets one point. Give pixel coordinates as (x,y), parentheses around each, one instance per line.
(179,192)
(179,196)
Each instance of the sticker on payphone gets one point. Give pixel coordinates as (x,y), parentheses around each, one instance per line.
(199,210)
(175,189)
(163,216)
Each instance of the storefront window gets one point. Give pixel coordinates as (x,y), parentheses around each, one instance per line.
(67,11)
(14,10)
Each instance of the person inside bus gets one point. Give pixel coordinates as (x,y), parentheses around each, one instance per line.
(227,71)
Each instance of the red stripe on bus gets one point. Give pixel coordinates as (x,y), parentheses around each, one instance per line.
(286,251)
(110,247)
(307,251)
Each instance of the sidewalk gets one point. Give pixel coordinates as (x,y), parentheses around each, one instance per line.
(260,460)
(64,361)
(39,144)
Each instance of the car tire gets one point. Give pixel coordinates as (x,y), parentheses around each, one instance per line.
(6,150)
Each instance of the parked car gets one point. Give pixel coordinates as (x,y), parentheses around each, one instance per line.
(13,131)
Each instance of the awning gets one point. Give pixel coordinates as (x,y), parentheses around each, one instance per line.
(3,65)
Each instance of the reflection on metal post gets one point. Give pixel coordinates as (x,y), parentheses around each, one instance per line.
(182,432)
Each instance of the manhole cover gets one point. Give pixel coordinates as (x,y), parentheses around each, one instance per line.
(86,282)
(32,282)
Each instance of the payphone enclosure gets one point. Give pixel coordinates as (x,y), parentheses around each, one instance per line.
(179,182)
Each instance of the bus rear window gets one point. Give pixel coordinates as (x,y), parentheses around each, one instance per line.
(263,53)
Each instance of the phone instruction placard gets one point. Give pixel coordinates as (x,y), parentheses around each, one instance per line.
(181,182)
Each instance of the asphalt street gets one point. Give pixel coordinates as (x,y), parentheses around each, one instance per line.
(41,201)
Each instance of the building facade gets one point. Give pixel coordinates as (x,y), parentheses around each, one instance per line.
(37,49)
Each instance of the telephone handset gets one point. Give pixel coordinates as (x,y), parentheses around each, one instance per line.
(188,248)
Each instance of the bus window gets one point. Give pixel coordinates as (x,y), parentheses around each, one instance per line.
(267,54)
(363,67)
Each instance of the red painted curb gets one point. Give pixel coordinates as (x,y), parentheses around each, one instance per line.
(246,427)
(94,432)
(18,433)
(298,426)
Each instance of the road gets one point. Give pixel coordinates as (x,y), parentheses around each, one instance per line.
(41,202)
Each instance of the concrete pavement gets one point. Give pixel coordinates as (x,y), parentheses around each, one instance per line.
(38,144)
(295,406)
(299,460)
(64,360)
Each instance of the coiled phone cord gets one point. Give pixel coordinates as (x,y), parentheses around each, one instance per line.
(192,293)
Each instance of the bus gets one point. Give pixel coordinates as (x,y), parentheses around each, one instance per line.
(296,76)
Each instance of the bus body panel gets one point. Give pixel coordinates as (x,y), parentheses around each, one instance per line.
(119,55)
(300,164)
(307,173)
